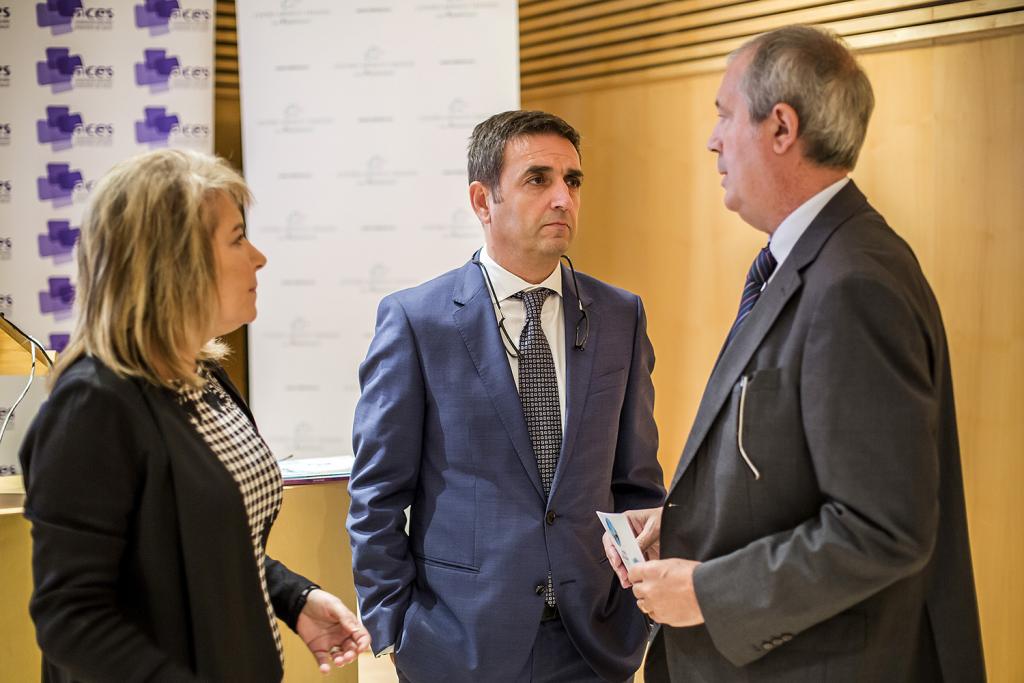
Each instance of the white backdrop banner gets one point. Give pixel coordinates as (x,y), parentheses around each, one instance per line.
(355,121)
(82,86)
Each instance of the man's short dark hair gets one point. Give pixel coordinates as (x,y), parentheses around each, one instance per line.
(487,143)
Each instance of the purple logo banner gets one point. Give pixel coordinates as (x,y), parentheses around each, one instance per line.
(62,128)
(62,70)
(58,69)
(58,298)
(57,15)
(58,242)
(155,15)
(59,341)
(155,69)
(58,184)
(58,127)
(155,127)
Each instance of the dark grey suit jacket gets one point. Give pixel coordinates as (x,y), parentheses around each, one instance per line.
(848,559)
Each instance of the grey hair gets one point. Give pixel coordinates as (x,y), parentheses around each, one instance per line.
(812,70)
(489,137)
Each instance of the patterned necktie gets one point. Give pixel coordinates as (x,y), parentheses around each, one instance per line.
(760,270)
(538,392)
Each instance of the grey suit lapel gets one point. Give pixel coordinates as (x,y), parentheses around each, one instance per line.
(774,298)
(579,364)
(475,319)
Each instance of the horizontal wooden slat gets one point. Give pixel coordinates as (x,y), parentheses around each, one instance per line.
(695,30)
(744,19)
(607,11)
(713,11)
(705,42)
(991,24)
(946,31)
(532,8)
(225,52)
(719,48)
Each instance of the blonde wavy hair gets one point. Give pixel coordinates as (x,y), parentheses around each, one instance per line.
(147,282)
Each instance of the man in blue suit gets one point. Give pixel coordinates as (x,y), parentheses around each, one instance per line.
(505,402)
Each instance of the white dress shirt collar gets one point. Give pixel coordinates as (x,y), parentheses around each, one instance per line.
(794,225)
(506,284)
(512,313)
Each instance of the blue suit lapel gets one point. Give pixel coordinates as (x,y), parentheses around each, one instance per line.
(579,363)
(475,319)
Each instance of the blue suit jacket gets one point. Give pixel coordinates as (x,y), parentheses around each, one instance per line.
(439,427)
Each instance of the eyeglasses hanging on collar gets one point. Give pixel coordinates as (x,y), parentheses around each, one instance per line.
(582,324)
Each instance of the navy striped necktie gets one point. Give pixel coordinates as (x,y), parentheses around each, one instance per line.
(760,270)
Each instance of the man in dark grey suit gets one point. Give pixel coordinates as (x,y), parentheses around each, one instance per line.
(815,527)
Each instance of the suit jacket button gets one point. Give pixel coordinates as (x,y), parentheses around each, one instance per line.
(786,637)
(539,589)
(777,641)
(766,645)
(550,517)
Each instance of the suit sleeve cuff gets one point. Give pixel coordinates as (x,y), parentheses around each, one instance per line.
(732,634)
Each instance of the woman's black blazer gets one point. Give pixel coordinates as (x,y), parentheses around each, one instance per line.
(142,558)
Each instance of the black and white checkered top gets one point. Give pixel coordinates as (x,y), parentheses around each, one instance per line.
(230,434)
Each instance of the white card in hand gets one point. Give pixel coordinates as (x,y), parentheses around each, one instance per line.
(622,535)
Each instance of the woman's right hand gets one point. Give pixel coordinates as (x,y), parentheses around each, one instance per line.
(331,631)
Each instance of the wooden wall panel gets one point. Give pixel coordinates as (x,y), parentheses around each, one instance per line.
(19,654)
(942,162)
(581,45)
(309,537)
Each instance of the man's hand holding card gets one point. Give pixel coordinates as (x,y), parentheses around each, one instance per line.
(630,538)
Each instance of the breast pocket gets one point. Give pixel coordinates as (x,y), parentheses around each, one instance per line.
(608,380)
(771,441)
(768,413)
(601,411)
(757,393)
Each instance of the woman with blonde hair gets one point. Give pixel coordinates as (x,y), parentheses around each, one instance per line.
(150,492)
